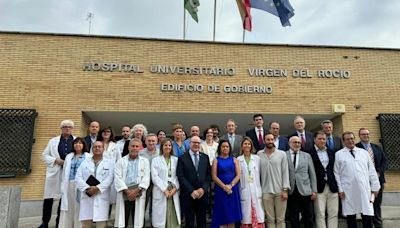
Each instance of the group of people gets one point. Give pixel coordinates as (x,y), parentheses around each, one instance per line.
(235,180)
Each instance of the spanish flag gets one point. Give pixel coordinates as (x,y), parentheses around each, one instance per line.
(244,9)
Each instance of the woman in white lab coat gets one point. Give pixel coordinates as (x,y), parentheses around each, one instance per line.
(96,207)
(250,187)
(166,206)
(111,152)
(106,135)
(69,216)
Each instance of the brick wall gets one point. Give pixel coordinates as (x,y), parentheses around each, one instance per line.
(44,71)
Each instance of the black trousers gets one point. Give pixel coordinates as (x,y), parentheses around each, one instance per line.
(377,219)
(129,211)
(195,208)
(352,223)
(300,204)
(46,213)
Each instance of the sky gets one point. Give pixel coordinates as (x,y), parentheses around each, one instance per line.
(357,23)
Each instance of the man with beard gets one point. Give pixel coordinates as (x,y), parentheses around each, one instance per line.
(126,130)
(274,182)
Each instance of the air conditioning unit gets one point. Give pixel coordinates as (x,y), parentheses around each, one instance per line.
(338,108)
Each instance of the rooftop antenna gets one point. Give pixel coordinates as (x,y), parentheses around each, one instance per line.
(89,18)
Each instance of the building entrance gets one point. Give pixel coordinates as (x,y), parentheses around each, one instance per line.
(155,121)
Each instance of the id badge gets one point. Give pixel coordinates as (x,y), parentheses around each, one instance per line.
(250,179)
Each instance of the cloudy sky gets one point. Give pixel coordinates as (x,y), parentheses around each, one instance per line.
(361,23)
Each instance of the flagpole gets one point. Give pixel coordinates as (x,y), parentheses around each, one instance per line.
(184,21)
(244,34)
(215,17)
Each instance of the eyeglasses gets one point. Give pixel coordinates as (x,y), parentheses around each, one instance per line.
(296,142)
(195,142)
(67,127)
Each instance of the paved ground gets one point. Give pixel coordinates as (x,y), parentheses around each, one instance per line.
(391,217)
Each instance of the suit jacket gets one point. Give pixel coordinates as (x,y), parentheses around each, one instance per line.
(320,171)
(283,143)
(189,178)
(236,144)
(309,140)
(254,137)
(337,144)
(303,177)
(379,158)
(88,141)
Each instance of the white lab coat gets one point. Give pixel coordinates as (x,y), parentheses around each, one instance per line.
(65,179)
(54,171)
(114,155)
(121,169)
(159,176)
(112,152)
(356,177)
(96,207)
(250,191)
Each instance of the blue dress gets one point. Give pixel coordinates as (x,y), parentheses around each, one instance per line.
(227,208)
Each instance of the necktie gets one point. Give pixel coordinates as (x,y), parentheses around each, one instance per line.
(294,160)
(260,139)
(371,154)
(330,143)
(231,140)
(351,152)
(196,161)
(303,141)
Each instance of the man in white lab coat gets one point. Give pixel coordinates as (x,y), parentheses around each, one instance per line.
(95,200)
(357,182)
(132,178)
(53,156)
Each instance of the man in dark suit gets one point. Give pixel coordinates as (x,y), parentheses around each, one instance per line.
(306,137)
(257,134)
(333,143)
(94,128)
(303,184)
(194,175)
(281,143)
(379,160)
(234,139)
(327,196)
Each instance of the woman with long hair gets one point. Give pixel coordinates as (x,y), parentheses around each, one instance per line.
(250,186)
(166,206)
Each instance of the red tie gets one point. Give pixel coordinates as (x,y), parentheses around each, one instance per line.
(303,142)
(260,138)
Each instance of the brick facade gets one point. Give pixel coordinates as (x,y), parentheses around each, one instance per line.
(44,71)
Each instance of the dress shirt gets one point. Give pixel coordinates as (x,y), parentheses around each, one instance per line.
(132,172)
(193,157)
(93,138)
(366,145)
(257,130)
(323,156)
(231,138)
(276,142)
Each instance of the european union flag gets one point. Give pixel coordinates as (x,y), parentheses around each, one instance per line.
(279,8)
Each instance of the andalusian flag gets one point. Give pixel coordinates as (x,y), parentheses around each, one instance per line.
(191,6)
